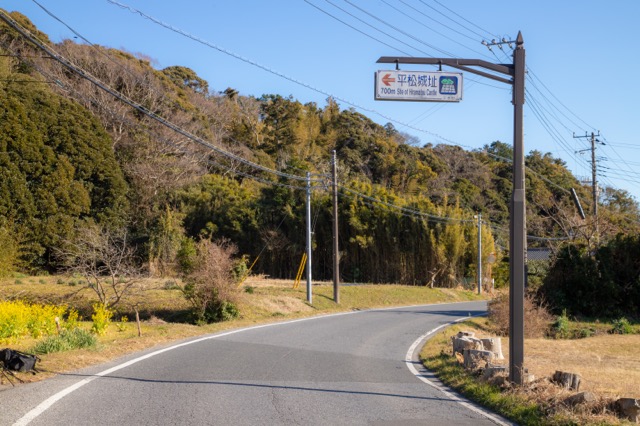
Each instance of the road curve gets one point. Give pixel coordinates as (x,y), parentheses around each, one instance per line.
(351,368)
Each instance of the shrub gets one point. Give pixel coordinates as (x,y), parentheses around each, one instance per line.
(106,260)
(72,320)
(76,338)
(560,328)
(101,318)
(622,326)
(584,333)
(171,285)
(537,318)
(240,269)
(209,286)
(122,325)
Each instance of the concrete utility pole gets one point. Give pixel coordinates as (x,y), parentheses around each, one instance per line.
(309,293)
(517,228)
(479,216)
(594,178)
(517,231)
(336,252)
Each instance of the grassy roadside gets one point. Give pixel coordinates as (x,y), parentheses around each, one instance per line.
(540,403)
(260,301)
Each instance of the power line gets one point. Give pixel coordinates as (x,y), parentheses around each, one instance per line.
(294,80)
(397,29)
(465,19)
(162,139)
(435,20)
(387,24)
(388,35)
(121,97)
(558,100)
(112,60)
(137,106)
(365,109)
(352,27)
(353,194)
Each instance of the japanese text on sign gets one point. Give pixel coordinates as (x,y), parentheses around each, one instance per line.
(418,86)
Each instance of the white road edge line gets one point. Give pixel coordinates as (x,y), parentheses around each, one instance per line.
(410,359)
(44,405)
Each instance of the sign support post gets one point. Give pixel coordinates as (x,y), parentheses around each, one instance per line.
(517,221)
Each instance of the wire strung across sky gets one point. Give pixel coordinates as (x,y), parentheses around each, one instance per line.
(122,98)
(303,84)
(84,74)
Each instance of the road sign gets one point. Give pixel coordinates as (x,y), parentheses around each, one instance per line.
(422,86)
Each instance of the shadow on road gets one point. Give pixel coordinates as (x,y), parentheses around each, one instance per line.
(263,386)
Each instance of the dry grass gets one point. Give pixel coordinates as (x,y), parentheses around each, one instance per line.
(150,294)
(608,364)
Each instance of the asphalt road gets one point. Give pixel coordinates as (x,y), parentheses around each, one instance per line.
(353,368)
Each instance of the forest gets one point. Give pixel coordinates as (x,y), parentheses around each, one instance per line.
(182,159)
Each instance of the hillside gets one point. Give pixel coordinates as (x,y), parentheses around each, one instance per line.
(167,159)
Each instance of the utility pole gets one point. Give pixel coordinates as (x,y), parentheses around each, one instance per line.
(309,295)
(336,252)
(517,222)
(594,178)
(479,216)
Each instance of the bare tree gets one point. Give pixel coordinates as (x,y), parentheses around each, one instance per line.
(105,259)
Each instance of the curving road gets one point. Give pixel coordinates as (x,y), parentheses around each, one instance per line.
(356,368)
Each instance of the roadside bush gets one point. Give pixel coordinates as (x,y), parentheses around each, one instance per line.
(560,328)
(210,285)
(76,338)
(101,318)
(622,326)
(537,318)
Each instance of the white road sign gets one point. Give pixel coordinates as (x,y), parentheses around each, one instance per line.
(422,86)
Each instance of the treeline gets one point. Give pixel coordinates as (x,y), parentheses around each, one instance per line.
(72,154)
(604,283)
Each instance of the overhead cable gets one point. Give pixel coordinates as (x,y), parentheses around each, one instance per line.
(82,73)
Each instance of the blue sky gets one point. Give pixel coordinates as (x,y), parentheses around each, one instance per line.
(582,57)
